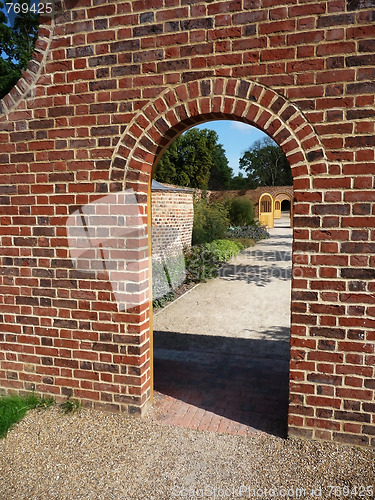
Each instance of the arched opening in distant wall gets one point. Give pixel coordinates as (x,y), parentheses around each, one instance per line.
(285,206)
(284,212)
(266,210)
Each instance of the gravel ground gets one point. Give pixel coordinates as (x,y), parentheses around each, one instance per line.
(95,455)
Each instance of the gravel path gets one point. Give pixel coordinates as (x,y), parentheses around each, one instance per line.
(250,299)
(94,455)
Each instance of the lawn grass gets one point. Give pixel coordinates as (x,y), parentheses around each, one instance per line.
(13,408)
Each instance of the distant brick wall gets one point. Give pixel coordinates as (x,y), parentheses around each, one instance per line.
(253,194)
(112,83)
(171,209)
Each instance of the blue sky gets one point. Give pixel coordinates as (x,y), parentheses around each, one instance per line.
(10,15)
(235,138)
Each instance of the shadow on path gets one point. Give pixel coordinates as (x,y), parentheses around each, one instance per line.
(243,380)
(219,363)
(257,274)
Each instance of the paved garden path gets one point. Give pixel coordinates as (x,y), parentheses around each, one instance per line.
(221,351)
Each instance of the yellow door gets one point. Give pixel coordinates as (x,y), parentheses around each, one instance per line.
(266,210)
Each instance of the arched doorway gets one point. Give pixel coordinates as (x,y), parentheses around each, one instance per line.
(277,211)
(284,208)
(176,109)
(192,334)
(266,210)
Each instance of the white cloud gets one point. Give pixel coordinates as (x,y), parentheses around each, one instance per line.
(244,127)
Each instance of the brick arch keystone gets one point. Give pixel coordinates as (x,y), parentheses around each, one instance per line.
(158,123)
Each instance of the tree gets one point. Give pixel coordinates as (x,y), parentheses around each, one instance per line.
(266,164)
(221,173)
(195,159)
(16,45)
(240,182)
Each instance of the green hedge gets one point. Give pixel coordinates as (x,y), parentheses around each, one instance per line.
(203,261)
(201,264)
(224,249)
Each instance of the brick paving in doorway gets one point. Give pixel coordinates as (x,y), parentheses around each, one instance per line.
(220,392)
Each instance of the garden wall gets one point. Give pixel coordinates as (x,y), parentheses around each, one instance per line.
(111,84)
(253,194)
(172,209)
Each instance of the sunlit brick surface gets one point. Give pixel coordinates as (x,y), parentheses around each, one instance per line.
(111,84)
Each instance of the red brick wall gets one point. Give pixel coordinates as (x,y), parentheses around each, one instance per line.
(111,85)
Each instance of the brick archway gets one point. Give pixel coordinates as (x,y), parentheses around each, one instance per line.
(156,125)
(25,87)
(281,197)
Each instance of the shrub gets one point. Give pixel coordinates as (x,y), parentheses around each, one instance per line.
(210,222)
(241,211)
(203,261)
(224,249)
(254,232)
(201,264)
(162,301)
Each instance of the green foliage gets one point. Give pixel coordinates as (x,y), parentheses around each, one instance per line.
(71,406)
(163,301)
(166,277)
(203,261)
(16,46)
(210,221)
(195,160)
(266,164)
(241,211)
(241,182)
(201,264)
(167,274)
(254,232)
(13,408)
(245,242)
(224,249)
(221,173)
